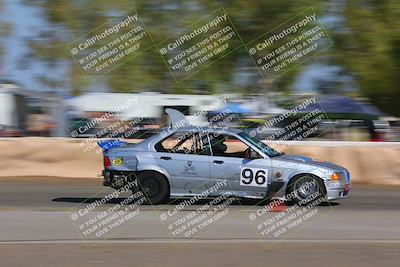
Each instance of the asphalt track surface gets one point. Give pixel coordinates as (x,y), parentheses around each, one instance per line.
(36,229)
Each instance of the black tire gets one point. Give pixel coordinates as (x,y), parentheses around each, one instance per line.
(305,190)
(154,187)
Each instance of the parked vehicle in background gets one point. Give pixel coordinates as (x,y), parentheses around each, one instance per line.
(12,111)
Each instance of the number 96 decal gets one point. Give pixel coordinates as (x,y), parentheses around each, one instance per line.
(253,177)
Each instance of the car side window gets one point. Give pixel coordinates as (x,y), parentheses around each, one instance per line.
(185,143)
(225,145)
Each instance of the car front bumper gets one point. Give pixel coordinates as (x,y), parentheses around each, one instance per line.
(337,190)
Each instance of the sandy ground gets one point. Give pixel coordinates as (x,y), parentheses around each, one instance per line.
(76,158)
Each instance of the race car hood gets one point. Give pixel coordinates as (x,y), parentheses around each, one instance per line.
(309,161)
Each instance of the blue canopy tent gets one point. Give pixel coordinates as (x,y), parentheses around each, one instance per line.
(342,107)
(232,108)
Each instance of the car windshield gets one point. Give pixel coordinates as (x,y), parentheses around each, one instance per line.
(260,145)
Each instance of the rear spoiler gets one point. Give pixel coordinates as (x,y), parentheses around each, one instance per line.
(110,143)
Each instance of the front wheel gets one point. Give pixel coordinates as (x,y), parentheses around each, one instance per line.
(305,190)
(154,187)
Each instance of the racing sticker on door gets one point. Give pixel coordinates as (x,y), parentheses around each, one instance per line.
(253,177)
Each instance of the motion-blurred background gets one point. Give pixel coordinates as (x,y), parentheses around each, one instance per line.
(356,81)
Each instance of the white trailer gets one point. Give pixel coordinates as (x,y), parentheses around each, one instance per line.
(148,105)
(12,110)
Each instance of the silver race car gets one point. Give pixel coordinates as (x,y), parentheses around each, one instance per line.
(185,161)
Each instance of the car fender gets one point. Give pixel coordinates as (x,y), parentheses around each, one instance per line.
(319,173)
(291,169)
(156,168)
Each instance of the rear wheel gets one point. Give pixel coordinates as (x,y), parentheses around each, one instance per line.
(305,189)
(154,187)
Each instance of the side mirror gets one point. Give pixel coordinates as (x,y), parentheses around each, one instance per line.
(254,154)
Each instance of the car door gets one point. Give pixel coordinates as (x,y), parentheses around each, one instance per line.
(246,176)
(186,160)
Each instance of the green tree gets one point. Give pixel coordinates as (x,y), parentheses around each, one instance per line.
(370,50)
(6,29)
(71,19)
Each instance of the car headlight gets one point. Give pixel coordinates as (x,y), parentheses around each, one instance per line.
(335,177)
